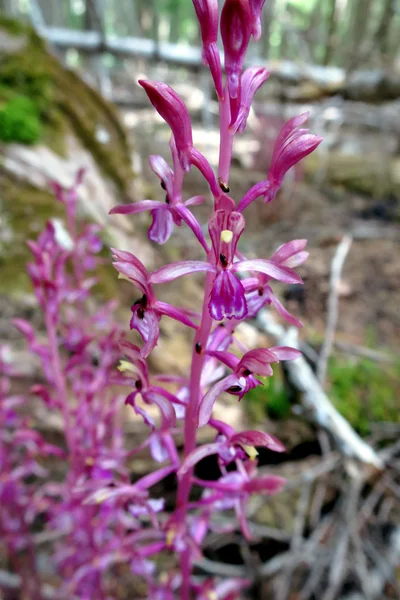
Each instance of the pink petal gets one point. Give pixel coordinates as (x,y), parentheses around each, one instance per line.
(284,313)
(258,438)
(135,207)
(193,223)
(229,359)
(178,269)
(270,268)
(227,299)
(286,353)
(123,256)
(236,29)
(221,221)
(207,402)
(174,313)
(269,484)
(196,456)
(257,361)
(162,225)
(195,201)
(130,271)
(252,79)
(148,328)
(161,168)
(173,110)
(288,250)
(166,409)
(202,164)
(256,7)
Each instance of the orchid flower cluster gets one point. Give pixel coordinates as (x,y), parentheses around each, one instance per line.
(235,288)
(100,516)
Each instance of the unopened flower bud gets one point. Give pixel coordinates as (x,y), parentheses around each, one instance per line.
(236,28)
(174,112)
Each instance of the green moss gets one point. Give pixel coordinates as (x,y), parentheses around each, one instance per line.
(19,121)
(365,392)
(64,104)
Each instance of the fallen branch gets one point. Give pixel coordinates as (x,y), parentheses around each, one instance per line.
(333,306)
(315,401)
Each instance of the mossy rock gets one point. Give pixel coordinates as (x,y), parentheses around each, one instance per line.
(51,124)
(55,103)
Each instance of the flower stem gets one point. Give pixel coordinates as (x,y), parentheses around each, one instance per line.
(184,487)
(59,383)
(226,140)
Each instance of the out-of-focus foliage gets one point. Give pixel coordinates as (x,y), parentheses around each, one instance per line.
(365,392)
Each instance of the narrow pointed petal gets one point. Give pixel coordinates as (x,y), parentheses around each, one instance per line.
(124,256)
(202,164)
(195,201)
(196,456)
(130,271)
(270,268)
(135,207)
(229,359)
(288,250)
(148,328)
(166,409)
(269,484)
(173,110)
(227,299)
(161,168)
(174,313)
(212,58)
(286,353)
(178,269)
(252,79)
(208,401)
(193,223)
(285,314)
(258,438)
(162,225)
(258,362)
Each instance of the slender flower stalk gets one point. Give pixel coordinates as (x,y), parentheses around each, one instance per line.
(103,518)
(235,288)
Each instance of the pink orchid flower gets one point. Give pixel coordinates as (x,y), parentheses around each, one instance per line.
(230,446)
(227,297)
(291,146)
(233,490)
(259,292)
(242,379)
(173,211)
(174,112)
(147,311)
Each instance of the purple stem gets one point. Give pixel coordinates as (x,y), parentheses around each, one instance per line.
(191,426)
(226,139)
(60,385)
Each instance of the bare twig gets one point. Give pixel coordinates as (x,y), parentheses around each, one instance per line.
(373,355)
(316,403)
(333,306)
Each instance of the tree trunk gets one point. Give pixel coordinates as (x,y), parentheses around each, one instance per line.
(382,40)
(331,37)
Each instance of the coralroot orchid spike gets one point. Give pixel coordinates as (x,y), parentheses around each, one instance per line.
(101,517)
(235,288)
